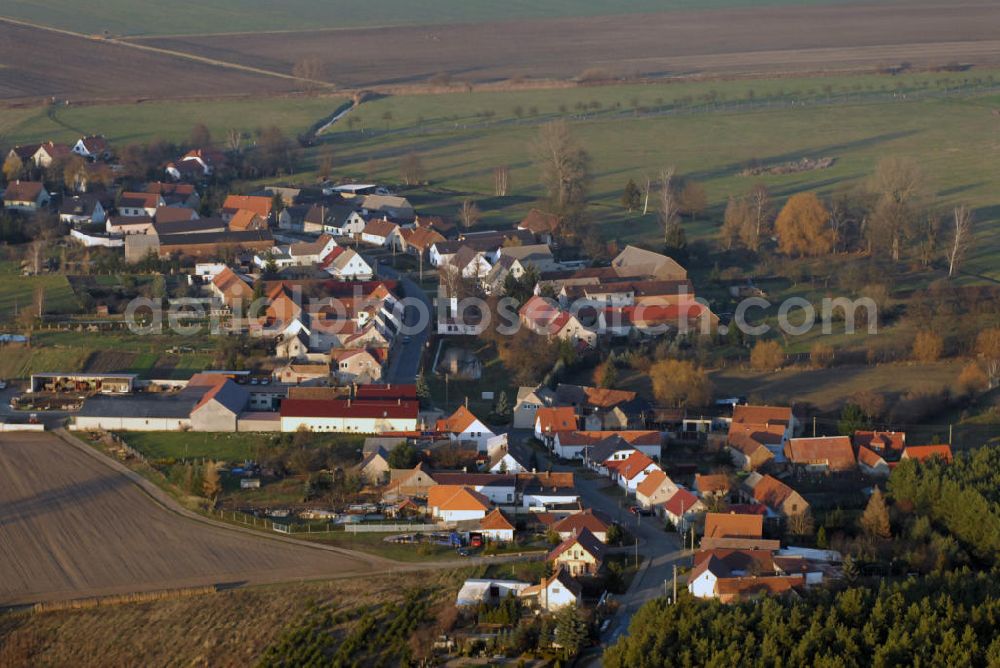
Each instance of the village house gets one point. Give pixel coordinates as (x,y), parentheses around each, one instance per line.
(884,443)
(498,489)
(346,264)
(824,453)
(409,483)
(549,491)
(374,467)
(603,408)
(244,220)
(768,416)
(220,407)
(231,289)
(751,446)
(780,499)
(736,530)
(580,554)
(656,489)
(166,215)
(302,373)
(529,400)
(260,205)
(631,471)
(50,153)
(592,520)
(551,421)
(175,194)
(681,509)
(356,366)
(730,574)
(82,210)
(922,453)
(388,206)
(543,226)
(462,425)
(715,485)
(454,503)
(545,318)
(872,464)
(505,459)
(27,196)
(132,204)
(92,148)
(495,527)
(553,593)
(418,240)
(196,164)
(382,233)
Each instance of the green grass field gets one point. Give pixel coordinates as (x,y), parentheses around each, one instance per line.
(17,293)
(197,445)
(171,121)
(146,17)
(708,137)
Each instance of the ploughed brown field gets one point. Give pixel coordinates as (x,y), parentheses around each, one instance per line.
(71,526)
(717,41)
(36,63)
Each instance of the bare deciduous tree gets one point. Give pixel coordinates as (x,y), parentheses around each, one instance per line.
(469,214)
(901,188)
(234,140)
(501,181)
(961,237)
(669,204)
(412,169)
(564,166)
(761,213)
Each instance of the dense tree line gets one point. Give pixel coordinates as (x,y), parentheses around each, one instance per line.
(946,620)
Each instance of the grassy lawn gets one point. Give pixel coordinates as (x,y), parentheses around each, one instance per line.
(197,445)
(171,121)
(495,379)
(17,293)
(146,17)
(18,361)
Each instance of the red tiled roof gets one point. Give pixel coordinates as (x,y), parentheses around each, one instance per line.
(496,521)
(681,502)
(708,484)
(651,483)
(868,457)
(881,440)
(731,525)
(832,451)
(553,419)
(539,222)
(256,203)
(771,492)
(589,519)
(386,392)
(924,452)
(457,422)
(633,465)
(762,414)
(456,497)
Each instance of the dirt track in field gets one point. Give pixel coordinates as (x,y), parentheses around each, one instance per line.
(37,63)
(73,526)
(763,40)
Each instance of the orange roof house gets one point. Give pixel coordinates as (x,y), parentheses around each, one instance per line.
(833,453)
(776,495)
(458,421)
(593,521)
(455,502)
(730,590)
(580,554)
(496,526)
(881,441)
(922,453)
(244,220)
(731,525)
(540,223)
(549,420)
(714,484)
(257,204)
(872,463)
(781,415)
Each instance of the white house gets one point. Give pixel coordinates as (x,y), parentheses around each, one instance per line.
(382,233)
(92,148)
(462,425)
(82,210)
(553,593)
(25,196)
(455,503)
(496,527)
(630,472)
(347,264)
(529,400)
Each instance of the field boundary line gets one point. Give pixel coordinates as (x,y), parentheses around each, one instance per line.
(168,52)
